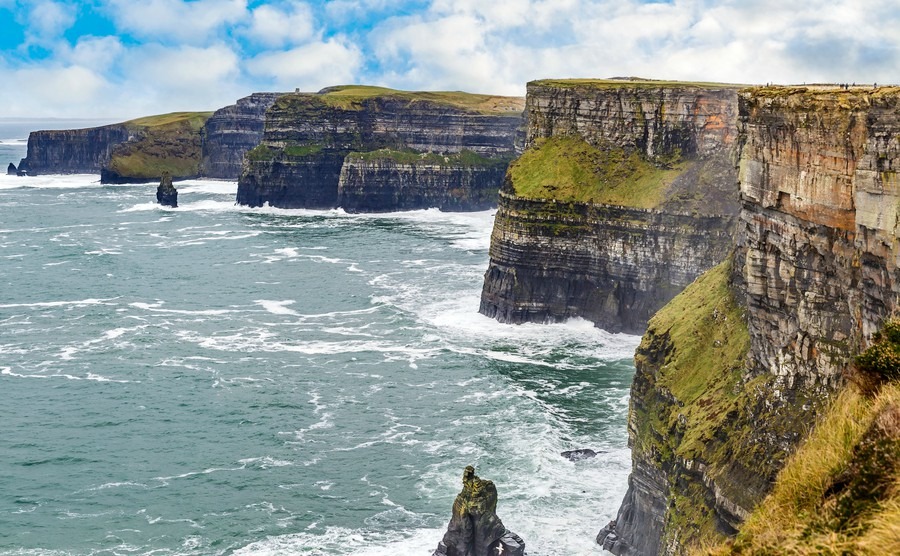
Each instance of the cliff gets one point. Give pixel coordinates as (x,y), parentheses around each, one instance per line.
(156,145)
(133,151)
(232,131)
(624,195)
(732,374)
(72,151)
(318,148)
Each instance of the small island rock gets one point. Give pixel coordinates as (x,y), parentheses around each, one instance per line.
(166,194)
(475,529)
(11,170)
(578,455)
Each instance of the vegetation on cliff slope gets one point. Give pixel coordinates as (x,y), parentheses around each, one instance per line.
(570,169)
(840,492)
(354,97)
(165,143)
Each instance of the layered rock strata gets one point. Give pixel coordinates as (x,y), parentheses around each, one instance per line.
(72,151)
(625,194)
(474,528)
(313,152)
(382,181)
(232,131)
(135,151)
(731,374)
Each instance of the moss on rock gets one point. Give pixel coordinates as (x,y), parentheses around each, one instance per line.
(570,169)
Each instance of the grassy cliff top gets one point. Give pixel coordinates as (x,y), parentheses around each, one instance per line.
(195,120)
(570,169)
(824,97)
(630,83)
(352,96)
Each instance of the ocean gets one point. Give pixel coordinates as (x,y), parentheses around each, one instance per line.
(214,379)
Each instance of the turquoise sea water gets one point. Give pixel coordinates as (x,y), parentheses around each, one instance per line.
(213,380)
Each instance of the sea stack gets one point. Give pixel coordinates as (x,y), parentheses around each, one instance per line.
(166,194)
(475,529)
(11,170)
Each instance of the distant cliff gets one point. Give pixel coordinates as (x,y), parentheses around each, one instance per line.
(625,194)
(72,151)
(375,149)
(134,151)
(732,374)
(186,144)
(232,131)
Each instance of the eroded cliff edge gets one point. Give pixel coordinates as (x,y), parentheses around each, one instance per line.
(138,150)
(375,149)
(625,194)
(732,374)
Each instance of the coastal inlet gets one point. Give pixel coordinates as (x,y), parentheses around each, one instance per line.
(216,379)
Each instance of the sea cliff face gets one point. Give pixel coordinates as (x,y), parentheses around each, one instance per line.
(625,194)
(135,151)
(732,374)
(72,151)
(232,131)
(309,138)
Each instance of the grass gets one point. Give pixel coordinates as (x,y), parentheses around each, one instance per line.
(804,516)
(570,169)
(839,493)
(629,83)
(352,97)
(194,120)
(167,143)
(707,329)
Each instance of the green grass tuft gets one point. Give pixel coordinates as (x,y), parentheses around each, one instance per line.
(570,169)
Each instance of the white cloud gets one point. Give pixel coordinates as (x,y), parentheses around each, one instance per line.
(55,91)
(311,66)
(498,46)
(96,53)
(276,27)
(182,68)
(47,20)
(189,22)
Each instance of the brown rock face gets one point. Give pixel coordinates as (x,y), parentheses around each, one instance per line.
(814,274)
(819,241)
(617,265)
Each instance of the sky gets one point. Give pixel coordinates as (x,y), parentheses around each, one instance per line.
(129,58)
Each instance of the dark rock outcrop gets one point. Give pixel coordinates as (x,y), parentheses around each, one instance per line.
(383,181)
(732,373)
(232,131)
(136,151)
(578,455)
(554,257)
(72,151)
(166,194)
(475,529)
(11,170)
(319,150)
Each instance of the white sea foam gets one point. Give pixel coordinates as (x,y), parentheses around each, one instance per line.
(338,540)
(45,304)
(68,181)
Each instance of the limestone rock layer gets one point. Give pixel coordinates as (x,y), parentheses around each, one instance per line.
(309,155)
(813,275)
(232,131)
(615,263)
